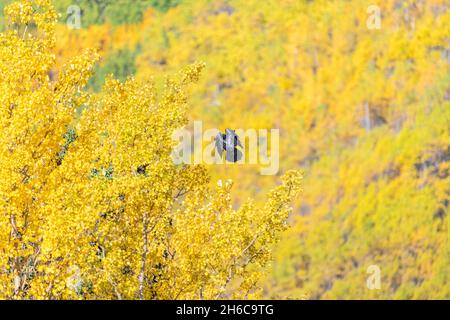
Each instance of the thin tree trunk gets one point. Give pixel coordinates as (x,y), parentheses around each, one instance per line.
(144,255)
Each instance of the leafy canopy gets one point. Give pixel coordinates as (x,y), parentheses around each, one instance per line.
(92,205)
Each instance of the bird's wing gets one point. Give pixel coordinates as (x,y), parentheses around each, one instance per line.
(229,139)
(232,140)
(219,143)
(233,155)
(229,131)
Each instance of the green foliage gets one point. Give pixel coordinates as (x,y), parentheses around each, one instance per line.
(121,63)
(164,5)
(117,12)
(69,138)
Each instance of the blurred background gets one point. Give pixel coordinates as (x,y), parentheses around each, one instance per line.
(364,112)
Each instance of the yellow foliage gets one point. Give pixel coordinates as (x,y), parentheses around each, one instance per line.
(92,205)
(364,113)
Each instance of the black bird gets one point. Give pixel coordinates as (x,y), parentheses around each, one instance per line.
(228,142)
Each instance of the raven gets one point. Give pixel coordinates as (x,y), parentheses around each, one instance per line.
(228,142)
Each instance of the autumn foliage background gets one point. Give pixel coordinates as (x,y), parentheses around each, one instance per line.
(93,207)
